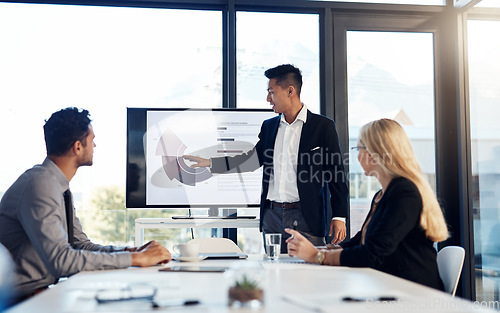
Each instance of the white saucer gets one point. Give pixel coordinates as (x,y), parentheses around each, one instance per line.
(189,259)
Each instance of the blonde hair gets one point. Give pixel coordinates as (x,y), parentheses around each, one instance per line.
(389,146)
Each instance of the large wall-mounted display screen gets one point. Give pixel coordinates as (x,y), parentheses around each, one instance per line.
(158,175)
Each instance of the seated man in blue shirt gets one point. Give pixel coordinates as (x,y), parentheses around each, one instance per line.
(37,221)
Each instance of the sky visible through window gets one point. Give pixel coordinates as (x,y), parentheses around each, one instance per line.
(102,59)
(488,4)
(390,75)
(258,50)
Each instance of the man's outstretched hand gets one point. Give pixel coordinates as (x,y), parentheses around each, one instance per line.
(200,162)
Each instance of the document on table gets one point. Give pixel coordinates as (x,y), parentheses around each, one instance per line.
(81,297)
(284,262)
(327,302)
(387,302)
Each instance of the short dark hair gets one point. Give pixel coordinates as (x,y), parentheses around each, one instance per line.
(286,75)
(64,128)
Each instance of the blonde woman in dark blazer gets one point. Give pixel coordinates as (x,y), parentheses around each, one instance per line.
(405,218)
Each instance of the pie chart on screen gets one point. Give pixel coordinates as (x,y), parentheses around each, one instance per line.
(171,149)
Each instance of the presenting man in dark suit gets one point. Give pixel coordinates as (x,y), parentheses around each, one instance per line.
(300,153)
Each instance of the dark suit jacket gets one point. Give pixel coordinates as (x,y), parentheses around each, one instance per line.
(394,241)
(319,168)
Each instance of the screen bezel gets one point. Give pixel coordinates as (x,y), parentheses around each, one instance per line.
(135,189)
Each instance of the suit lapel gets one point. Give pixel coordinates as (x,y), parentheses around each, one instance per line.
(272,133)
(306,132)
(274,129)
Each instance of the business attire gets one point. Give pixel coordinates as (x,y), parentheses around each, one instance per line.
(301,163)
(33,227)
(394,241)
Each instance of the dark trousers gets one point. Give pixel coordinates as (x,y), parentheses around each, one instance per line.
(276,219)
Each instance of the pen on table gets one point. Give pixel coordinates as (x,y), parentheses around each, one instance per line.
(361,299)
(174,302)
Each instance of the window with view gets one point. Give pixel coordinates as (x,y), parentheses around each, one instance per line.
(390,75)
(103,59)
(484,95)
(260,48)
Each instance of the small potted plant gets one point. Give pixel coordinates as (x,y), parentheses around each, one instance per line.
(245,293)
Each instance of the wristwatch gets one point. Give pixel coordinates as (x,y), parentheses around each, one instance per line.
(320,257)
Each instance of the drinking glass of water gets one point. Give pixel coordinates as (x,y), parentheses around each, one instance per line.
(273,246)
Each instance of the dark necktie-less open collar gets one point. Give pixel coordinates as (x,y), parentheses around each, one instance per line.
(68,204)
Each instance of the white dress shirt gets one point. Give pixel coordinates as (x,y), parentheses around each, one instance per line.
(283,181)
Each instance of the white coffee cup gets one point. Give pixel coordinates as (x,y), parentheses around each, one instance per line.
(187,250)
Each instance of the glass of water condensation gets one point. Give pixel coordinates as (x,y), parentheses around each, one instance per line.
(273,246)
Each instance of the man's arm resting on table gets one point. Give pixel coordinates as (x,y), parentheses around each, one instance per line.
(149,254)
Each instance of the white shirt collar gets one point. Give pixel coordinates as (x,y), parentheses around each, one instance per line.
(302,116)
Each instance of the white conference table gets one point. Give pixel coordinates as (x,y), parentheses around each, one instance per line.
(288,287)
